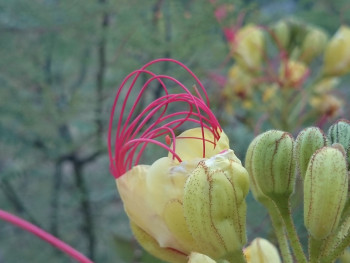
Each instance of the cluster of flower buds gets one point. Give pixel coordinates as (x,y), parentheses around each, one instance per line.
(322,162)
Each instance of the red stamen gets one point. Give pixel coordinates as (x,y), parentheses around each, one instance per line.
(163,116)
(44,235)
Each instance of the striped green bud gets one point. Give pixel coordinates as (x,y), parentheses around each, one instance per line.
(307,142)
(339,132)
(214,206)
(325,191)
(271,163)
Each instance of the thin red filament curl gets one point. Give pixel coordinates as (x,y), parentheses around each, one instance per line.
(157,122)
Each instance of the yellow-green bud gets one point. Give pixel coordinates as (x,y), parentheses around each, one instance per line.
(307,142)
(199,258)
(282,33)
(339,132)
(262,251)
(214,205)
(313,44)
(325,191)
(272,163)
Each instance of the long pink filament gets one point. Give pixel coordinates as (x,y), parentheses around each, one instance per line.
(44,235)
(135,131)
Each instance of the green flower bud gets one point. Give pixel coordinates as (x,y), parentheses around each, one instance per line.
(282,33)
(214,205)
(307,142)
(325,191)
(313,44)
(271,163)
(339,132)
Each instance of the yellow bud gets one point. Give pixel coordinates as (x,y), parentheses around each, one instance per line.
(313,44)
(337,53)
(261,251)
(307,142)
(325,191)
(248,48)
(271,163)
(239,82)
(214,205)
(326,104)
(199,258)
(326,85)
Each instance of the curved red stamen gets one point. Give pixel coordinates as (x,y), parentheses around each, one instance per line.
(44,235)
(136,128)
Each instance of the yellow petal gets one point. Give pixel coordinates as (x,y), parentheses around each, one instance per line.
(200,258)
(261,251)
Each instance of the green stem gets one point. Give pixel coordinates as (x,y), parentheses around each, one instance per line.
(236,257)
(314,249)
(277,223)
(337,251)
(284,208)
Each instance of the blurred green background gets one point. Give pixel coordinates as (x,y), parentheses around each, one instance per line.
(61,62)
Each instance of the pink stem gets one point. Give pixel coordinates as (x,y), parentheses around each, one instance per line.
(44,235)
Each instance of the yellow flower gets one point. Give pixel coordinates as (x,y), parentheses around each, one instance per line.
(269,93)
(155,199)
(261,251)
(239,83)
(337,53)
(293,73)
(199,258)
(326,104)
(191,199)
(248,47)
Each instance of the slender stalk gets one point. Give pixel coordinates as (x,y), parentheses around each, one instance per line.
(284,208)
(44,235)
(314,249)
(277,223)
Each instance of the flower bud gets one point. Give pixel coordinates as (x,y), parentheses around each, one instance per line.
(337,53)
(339,132)
(282,33)
(293,73)
(248,47)
(214,205)
(325,191)
(326,104)
(261,251)
(271,163)
(313,44)
(199,258)
(307,142)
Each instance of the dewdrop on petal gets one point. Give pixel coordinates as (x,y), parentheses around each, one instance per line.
(154,195)
(272,164)
(307,142)
(261,251)
(325,191)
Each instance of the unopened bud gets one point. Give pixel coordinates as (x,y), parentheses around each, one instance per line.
(272,164)
(307,142)
(339,132)
(282,33)
(325,191)
(214,205)
(313,44)
(261,251)
(199,258)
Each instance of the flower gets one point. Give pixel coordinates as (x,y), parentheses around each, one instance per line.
(192,198)
(293,73)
